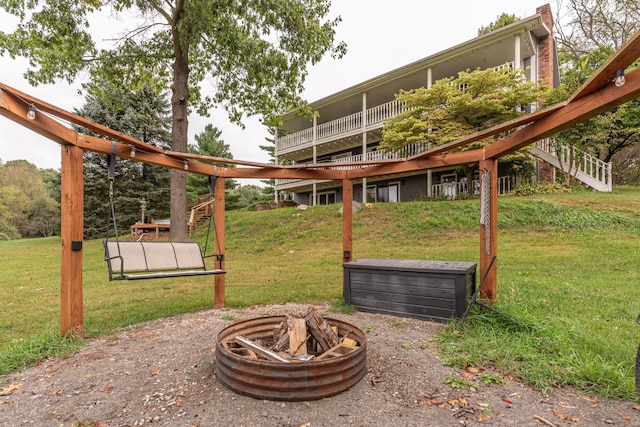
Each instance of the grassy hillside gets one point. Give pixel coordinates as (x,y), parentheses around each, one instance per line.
(567,273)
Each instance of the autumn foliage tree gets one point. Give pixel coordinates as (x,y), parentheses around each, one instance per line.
(248,56)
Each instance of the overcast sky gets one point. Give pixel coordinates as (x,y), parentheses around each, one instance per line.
(381,35)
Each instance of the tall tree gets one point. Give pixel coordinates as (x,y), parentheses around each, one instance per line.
(255,54)
(144,115)
(592,32)
(591,24)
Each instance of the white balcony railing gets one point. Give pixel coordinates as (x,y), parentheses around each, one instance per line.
(353,122)
(452,189)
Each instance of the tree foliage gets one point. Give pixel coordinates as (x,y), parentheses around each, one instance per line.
(252,55)
(455,107)
(208,143)
(593,24)
(144,115)
(594,31)
(27,208)
(501,21)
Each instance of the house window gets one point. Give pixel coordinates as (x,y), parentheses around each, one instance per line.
(390,193)
(326,198)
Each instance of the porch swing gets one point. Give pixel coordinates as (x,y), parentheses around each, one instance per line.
(136,260)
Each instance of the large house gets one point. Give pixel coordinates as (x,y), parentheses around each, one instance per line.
(348,124)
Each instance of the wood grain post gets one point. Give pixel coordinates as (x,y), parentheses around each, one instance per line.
(71,228)
(218,218)
(347,220)
(489,228)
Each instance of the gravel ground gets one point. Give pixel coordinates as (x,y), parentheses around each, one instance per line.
(161,373)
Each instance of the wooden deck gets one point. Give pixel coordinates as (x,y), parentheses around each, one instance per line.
(140,228)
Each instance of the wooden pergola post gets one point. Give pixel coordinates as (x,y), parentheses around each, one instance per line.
(218,218)
(71,231)
(347,220)
(488,227)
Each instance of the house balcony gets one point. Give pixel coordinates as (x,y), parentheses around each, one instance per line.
(299,145)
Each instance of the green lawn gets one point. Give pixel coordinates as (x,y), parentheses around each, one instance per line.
(567,277)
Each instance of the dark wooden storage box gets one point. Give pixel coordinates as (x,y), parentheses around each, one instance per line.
(429,290)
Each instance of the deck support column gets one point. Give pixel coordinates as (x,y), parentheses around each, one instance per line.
(488,227)
(219,221)
(347,220)
(71,231)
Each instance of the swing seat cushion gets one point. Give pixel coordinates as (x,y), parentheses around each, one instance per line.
(146,260)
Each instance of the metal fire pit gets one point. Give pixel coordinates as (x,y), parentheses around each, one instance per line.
(297,381)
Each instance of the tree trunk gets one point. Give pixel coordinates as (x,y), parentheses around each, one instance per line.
(179,135)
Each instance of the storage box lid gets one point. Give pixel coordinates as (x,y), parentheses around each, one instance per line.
(412,265)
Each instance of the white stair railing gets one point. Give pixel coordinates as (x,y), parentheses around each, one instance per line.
(587,169)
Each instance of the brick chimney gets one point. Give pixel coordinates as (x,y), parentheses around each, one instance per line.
(546,48)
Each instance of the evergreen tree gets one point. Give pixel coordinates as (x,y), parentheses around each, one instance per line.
(144,115)
(501,21)
(208,143)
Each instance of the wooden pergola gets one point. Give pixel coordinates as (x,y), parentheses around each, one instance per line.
(597,95)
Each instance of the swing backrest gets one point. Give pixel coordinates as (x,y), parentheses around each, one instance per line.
(147,260)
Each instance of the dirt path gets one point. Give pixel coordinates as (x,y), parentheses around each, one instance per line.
(161,373)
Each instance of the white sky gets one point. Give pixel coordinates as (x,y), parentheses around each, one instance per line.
(380,34)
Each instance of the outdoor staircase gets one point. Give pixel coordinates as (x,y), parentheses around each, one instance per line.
(200,213)
(587,169)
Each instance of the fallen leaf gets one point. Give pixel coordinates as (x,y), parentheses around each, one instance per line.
(108,389)
(57,392)
(505,400)
(575,419)
(463,401)
(636,407)
(559,414)
(474,370)
(2,402)
(483,417)
(6,391)
(626,417)
(484,405)
(591,399)
(501,414)
(154,373)
(453,402)
(467,374)
(421,393)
